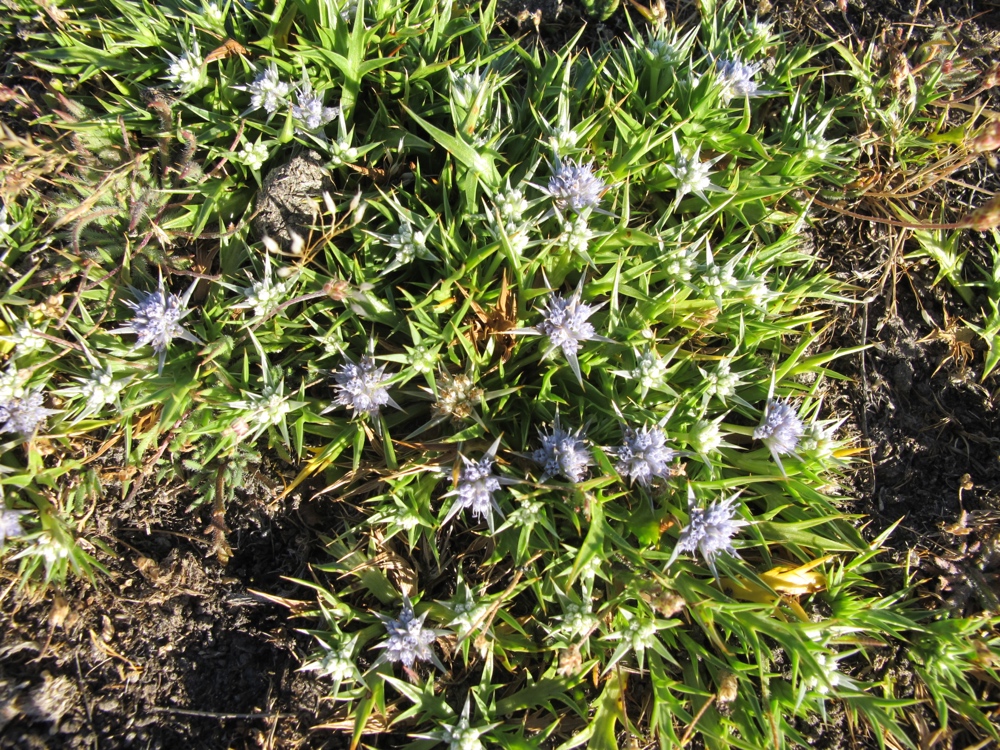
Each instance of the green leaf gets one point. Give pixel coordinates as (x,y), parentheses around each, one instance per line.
(593,544)
(483,166)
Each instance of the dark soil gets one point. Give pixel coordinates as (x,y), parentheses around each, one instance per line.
(175,649)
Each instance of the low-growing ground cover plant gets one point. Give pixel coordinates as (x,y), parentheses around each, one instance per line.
(542,323)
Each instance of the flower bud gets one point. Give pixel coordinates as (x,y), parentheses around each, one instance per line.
(988,139)
(984,218)
(991,78)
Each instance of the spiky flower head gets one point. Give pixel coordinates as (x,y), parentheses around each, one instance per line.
(576,237)
(576,621)
(566,324)
(475,487)
(157,320)
(563,452)
(409,244)
(457,397)
(710,530)
(644,456)
(26,339)
(650,371)
(10,523)
(718,280)
(466,88)
(692,173)
(758,293)
(511,206)
(574,186)
(13,383)
(638,634)
(662,54)
(336,662)
(361,387)
(309,112)
(409,641)
(98,389)
(827,677)
(213,13)
(267,90)
(24,414)
(723,382)
(423,359)
(186,70)
(705,436)
(269,408)
(469,613)
(265,295)
(681,263)
(342,152)
(736,79)
(780,429)
(459,736)
(818,438)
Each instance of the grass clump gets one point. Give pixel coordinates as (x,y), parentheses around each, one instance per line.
(543,325)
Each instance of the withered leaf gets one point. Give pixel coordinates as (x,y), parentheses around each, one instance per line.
(502,317)
(229,48)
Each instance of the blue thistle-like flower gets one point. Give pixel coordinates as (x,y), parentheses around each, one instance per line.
(736,79)
(563,452)
(780,430)
(24,414)
(267,90)
(309,109)
(566,324)
(157,320)
(644,455)
(475,487)
(361,387)
(574,186)
(710,530)
(409,641)
(10,523)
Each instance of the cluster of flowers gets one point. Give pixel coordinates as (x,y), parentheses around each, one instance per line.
(267,92)
(270,93)
(643,457)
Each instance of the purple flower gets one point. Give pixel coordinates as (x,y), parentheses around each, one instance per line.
(563,452)
(644,456)
(309,109)
(566,324)
(267,91)
(409,641)
(475,487)
(157,320)
(24,414)
(710,530)
(779,430)
(574,186)
(361,387)
(10,523)
(736,79)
